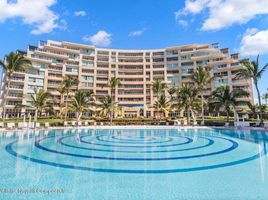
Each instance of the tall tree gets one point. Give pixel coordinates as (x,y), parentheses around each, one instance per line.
(163,104)
(158,88)
(265,98)
(113,83)
(108,107)
(202,77)
(172,91)
(40,101)
(224,99)
(187,100)
(62,92)
(13,62)
(253,110)
(68,83)
(81,102)
(252,70)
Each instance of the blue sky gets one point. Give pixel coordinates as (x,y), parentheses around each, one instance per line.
(238,24)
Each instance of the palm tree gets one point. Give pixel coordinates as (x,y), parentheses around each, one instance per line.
(40,101)
(81,102)
(158,88)
(68,83)
(13,62)
(253,109)
(265,97)
(187,99)
(113,83)
(163,104)
(62,91)
(252,70)
(172,91)
(108,107)
(224,99)
(201,76)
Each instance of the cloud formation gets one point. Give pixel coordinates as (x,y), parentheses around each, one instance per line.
(224,13)
(101,38)
(137,33)
(36,13)
(254,42)
(80,13)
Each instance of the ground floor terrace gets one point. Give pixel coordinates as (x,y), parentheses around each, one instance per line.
(124,113)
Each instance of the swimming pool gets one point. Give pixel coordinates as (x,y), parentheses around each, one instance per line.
(140,163)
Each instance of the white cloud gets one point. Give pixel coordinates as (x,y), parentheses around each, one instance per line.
(37,13)
(80,13)
(224,13)
(137,33)
(254,42)
(182,22)
(194,6)
(63,25)
(101,38)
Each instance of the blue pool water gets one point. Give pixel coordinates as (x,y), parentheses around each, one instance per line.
(135,164)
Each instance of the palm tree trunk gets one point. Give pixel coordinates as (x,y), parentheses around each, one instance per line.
(35,117)
(202,111)
(5,100)
(66,106)
(111,118)
(188,116)
(259,100)
(61,107)
(158,117)
(78,116)
(112,107)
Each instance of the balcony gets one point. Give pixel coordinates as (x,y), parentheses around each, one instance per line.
(15,95)
(135,86)
(13,102)
(131,68)
(130,60)
(17,79)
(59,55)
(132,95)
(208,56)
(16,87)
(120,54)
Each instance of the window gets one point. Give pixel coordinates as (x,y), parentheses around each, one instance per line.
(41,65)
(74,56)
(221,82)
(88,64)
(35,87)
(87,78)
(172,52)
(187,64)
(35,80)
(174,65)
(173,78)
(71,69)
(185,57)
(85,84)
(172,59)
(87,51)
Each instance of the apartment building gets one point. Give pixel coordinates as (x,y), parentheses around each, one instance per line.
(137,69)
